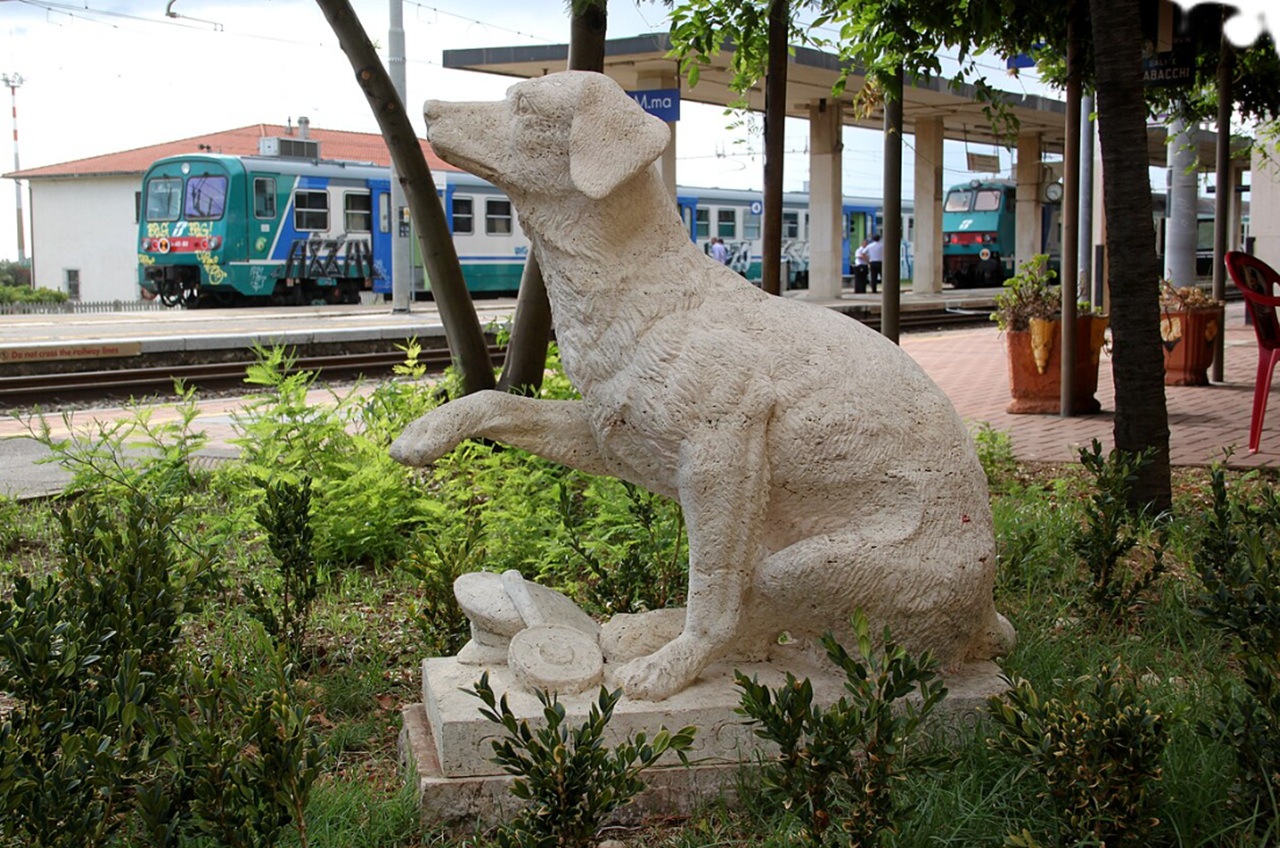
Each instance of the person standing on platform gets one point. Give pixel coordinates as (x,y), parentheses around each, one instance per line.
(861,268)
(875,257)
(719,252)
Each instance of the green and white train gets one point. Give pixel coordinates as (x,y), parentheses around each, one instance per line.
(221,230)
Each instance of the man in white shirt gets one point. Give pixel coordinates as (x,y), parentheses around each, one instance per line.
(719,252)
(861,267)
(875,257)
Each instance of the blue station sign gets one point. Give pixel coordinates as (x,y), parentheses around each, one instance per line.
(662,103)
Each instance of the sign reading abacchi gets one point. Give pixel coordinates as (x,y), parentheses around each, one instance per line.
(46,353)
(662,103)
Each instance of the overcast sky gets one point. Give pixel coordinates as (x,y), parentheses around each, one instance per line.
(102,77)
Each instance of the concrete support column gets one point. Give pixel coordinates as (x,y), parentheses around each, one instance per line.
(1180,206)
(825,199)
(927,277)
(667,162)
(1028,172)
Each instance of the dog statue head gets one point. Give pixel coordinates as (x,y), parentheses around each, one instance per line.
(571,130)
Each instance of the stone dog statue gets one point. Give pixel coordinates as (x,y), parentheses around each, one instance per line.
(818,468)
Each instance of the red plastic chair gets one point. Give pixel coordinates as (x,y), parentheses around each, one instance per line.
(1257,281)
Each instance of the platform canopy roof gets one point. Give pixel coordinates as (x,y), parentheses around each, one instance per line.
(634,62)
(810,76)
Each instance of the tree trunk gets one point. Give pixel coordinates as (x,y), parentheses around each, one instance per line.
(467,344)
(1142,420)
(775,117)
(526,360)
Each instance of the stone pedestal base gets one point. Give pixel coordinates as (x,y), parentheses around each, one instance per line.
(448,742)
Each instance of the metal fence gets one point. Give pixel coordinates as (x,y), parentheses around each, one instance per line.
(81,307)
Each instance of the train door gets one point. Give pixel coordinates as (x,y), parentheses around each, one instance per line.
(687,205)
(382,217)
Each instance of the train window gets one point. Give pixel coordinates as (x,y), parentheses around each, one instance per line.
(958,200)
(310,211)
(703,219)
(357,207)
(384,212)
(987,200)
(751,226)
(806,226)
(206,197)
(497,217)
(727,223)
(164,199)
(790,224)
(464,216)
(264,197)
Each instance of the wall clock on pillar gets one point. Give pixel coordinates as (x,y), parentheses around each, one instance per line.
(1053,193)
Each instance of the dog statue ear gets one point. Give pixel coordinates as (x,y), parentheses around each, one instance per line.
(611,138)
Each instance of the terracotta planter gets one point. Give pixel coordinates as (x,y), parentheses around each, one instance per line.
(1035,366)
(1188,344)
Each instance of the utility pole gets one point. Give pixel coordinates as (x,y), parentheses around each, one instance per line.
(401,272)
(13,81)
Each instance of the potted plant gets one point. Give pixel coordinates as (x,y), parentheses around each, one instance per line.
(1029,312)
(1190,320)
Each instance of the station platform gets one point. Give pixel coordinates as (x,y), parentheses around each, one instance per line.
(122,335)
(969,364)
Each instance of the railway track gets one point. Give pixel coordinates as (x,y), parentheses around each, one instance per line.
(81,386)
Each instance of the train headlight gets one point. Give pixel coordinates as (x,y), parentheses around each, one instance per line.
(215,242)
(146,245)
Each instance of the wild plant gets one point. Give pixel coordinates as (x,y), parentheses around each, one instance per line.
(366,504)
(569,779)
(631,543)
(1111,531)
(1098,750)
(837,766)
(133,454)
(995,452)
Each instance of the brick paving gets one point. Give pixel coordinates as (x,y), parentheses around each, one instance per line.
(1203,420)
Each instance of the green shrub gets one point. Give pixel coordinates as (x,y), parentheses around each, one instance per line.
(1111,532)
(570,780)
(245,764)
(286,516)
(1240,595)
(838,766)
(89,657)
(1098,749)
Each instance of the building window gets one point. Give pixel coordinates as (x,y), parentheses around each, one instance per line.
(358,209)
(464,222)
(497,217)
(790,225)
(73,283)
(751,226)
(164,199)
(702,217)
(206,198)
(727,223)
(264,197)
(310,211)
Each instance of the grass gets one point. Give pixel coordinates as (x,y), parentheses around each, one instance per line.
(361,665)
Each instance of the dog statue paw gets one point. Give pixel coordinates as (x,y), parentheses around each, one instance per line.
(662,673)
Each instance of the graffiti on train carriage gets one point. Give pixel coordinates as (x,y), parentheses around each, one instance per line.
(273,229)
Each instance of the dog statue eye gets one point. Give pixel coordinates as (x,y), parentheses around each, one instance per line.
(523,106)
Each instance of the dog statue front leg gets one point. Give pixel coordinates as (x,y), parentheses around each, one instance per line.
(558,430)
(724,488)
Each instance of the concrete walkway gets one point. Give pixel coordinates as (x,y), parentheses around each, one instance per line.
(968,364)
